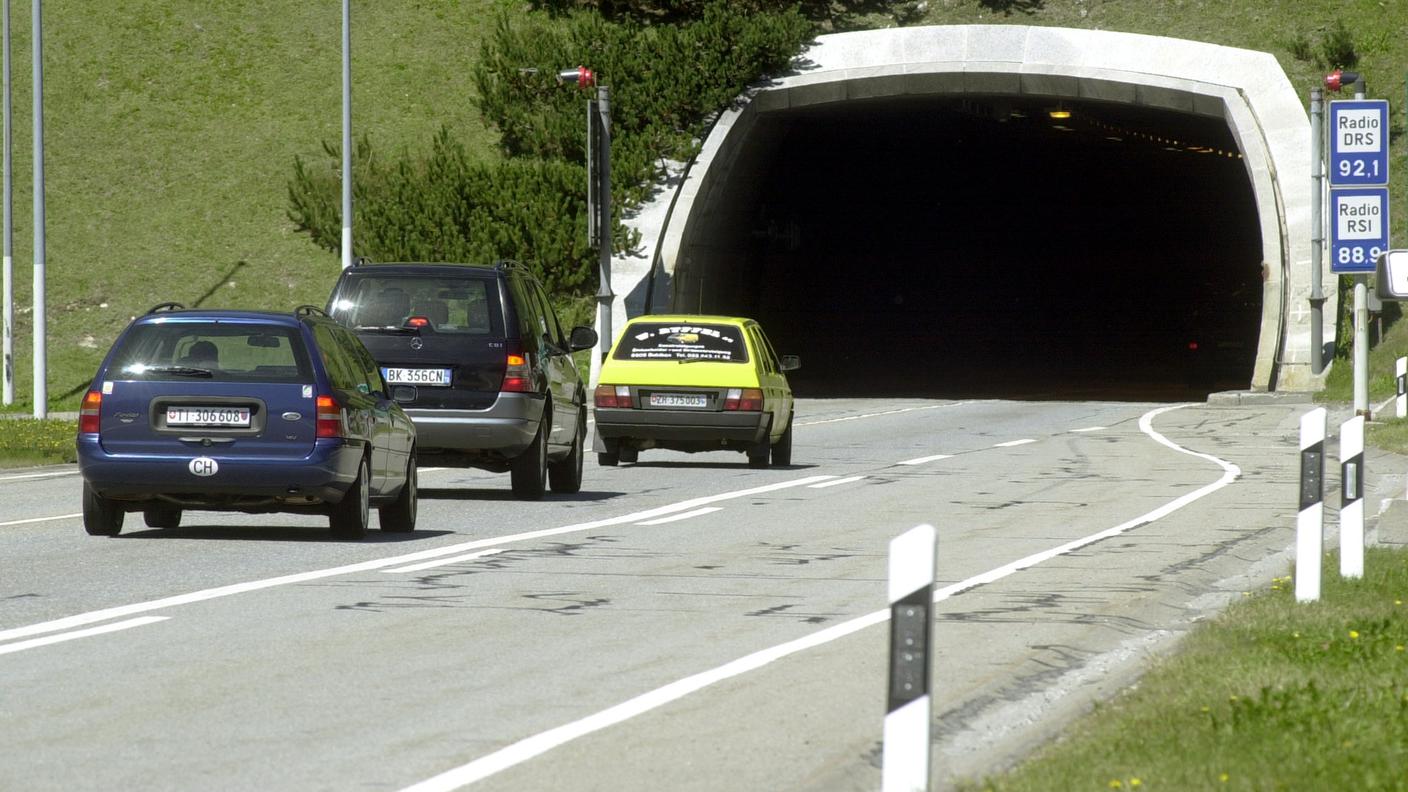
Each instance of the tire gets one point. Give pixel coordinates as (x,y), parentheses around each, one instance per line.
(162,518)
(565,475)
(399,516)
(349,517)
(782,449)
(101,516)
(530,470)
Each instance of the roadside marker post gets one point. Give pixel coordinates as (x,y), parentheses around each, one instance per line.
(1352,498)
(1310,521)
(1401,370)
(908,735)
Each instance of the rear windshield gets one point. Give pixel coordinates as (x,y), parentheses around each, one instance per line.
(229,352)
(670,341)
(384,302)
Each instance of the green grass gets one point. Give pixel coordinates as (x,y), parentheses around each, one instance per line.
(171,128)
(1272,695)
(25,442)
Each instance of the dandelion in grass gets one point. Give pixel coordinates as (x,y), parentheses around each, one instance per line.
(1115,783)
(1135,782)
(1354,634)
(1223,777)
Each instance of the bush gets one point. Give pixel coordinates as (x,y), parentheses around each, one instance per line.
(1337,48)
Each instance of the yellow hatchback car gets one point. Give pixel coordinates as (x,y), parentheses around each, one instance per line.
(693,383)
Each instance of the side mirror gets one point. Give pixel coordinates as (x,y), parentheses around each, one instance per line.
(1391,275)
(582,337)
(790,363)
(403,394)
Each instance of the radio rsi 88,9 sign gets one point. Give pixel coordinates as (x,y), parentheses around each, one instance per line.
(1359,228)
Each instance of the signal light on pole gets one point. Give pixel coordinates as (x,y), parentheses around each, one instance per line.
(1339,78)
(580,76)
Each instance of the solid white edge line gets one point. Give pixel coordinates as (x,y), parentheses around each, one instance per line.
(34,643)
(1088,429)
(683,515)
(922,460)
(22,477)
(120,611)
(445,561)
(837,482)
(41,519)
(542,742)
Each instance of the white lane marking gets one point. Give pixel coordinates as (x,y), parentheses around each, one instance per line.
(538,744)
(91,617)
(684,516)
(24,476)
(876,414)
(837,482)
(34,643)
(41,519)
(1011,443)
(923,459)
(445,561)
(1089,429)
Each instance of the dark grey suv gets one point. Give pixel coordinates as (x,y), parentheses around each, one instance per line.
(487,371)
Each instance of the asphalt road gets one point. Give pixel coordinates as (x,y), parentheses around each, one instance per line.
(687,623)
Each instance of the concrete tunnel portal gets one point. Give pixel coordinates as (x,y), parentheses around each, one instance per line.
(907,215)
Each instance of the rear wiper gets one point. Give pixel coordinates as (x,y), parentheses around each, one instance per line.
(180,371)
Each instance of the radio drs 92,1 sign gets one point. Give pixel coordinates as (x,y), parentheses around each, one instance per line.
(1358,228)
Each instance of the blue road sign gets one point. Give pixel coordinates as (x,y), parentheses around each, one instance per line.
(1358,142)
(1358,228)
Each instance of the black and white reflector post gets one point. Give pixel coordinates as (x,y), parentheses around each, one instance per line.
(1401,369)
(1310,522)
(1352,495)
(907,720)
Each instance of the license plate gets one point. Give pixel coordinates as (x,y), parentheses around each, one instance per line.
(207,416)
(678,400)
(416,376)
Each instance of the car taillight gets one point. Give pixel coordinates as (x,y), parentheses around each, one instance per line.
(749,399)
(517,377)
(416,323)
(613,396)
(329,417)
(89,417)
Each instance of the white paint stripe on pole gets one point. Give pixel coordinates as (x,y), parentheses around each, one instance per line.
(1310,519)
(1401,370)
(1352,498)
(907,739)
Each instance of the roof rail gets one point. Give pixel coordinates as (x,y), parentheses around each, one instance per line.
(358,261)
(305,310)
(507,264)
(166,306)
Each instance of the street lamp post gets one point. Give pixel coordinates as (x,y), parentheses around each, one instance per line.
(598,199)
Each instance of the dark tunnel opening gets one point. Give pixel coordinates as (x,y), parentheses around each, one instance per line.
(947,248)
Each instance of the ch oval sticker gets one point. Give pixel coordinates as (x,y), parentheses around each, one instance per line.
(204,466)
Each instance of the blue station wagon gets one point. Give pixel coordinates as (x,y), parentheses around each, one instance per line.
(243,411)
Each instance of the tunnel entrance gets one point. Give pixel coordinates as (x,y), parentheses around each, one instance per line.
(948,247)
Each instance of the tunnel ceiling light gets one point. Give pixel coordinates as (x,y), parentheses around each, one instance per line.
(1059,113)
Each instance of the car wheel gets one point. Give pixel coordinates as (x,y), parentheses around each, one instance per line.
(350,515)
(162,518)
(565,475)
(399,516)
(530,469)
(101,516)
(782,449)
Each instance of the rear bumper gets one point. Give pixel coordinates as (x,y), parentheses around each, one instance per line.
(239,481)
(506,427)
(684,430)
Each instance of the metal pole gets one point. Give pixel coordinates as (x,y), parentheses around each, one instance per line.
(346,134)
(604,295)
(8,353)
(41,392)
(1317,232)
(1361,325)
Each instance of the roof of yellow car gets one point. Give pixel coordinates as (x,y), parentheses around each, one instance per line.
(716,319)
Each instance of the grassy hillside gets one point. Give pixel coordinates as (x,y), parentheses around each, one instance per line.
(171,128)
